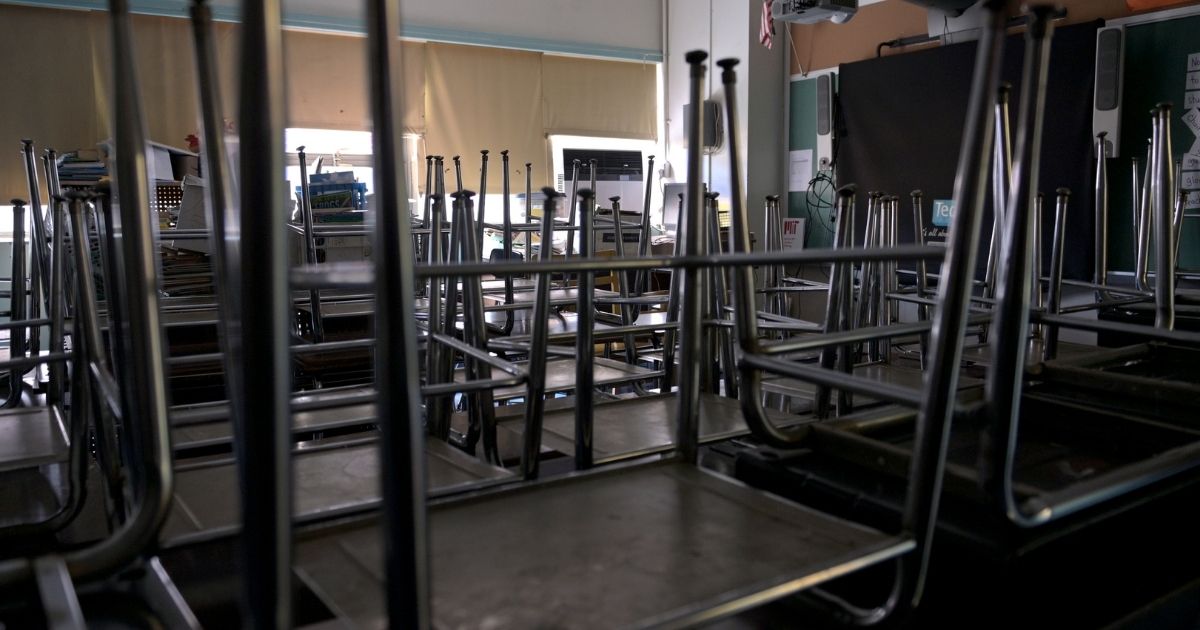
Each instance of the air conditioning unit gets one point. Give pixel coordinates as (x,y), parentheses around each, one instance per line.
(618,174)
(813,11)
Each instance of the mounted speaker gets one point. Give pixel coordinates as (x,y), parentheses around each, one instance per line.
(1109,82)
(713,132)
(824,111)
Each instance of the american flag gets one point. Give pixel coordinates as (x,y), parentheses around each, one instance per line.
(766,27)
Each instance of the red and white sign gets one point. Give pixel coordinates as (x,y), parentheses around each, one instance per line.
(793,234)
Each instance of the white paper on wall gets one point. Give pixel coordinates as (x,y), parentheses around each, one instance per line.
(1190,180)
(799,170)
(1192,120)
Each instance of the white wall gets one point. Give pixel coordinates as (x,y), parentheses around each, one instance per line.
(729,39)
(729,28)
(766,76)
(688,28)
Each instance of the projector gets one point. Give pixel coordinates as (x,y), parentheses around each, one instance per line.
(813,11)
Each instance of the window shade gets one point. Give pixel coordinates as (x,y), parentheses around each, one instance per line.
(166,74)
(167,78)
(589,97)
(326,79)
(327,82)
(485,98)
(62,97)
(51,88)
(463,98)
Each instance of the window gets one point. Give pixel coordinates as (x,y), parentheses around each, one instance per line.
(346,151)
(6,223)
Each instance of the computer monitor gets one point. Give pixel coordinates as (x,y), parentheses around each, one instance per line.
(671,193)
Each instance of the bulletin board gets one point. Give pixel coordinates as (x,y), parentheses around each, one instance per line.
(901,120)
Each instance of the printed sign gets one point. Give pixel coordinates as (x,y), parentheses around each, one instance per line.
(942,211)
(1190,180)
(1192,120)
(793,233)
(799,170)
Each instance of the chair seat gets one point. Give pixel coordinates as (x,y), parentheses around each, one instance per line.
(641,545)
(326,481)
(560,376)
(196,427)
(31,437)
(1064,448)
(565,322)
(497,285)
(980,356)
(891,374)
(557,296)
(27,496)
(635,427)
(1150,380)
(341,308)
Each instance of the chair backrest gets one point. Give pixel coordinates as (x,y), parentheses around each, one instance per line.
(936,402)
(72,419)
(143,388)
(536,365)
(17,309)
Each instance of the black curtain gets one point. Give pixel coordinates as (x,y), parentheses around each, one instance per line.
(900,122)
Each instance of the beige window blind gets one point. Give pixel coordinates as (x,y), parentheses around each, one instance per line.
(485,98)
(166,75)
(462,98)
(167,78)
(326,79)
(51,89)
(590,97)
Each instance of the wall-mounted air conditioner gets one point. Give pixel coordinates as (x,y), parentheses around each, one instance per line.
(618,174)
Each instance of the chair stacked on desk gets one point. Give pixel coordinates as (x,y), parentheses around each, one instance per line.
(1040,463)
(481,473)
(668,511)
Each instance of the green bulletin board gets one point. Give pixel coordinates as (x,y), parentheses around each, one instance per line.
(802,129)
(1156,58)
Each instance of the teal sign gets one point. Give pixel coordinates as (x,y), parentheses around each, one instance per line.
(942,210)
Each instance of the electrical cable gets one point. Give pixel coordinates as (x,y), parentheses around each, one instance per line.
(819,197)
(822,187)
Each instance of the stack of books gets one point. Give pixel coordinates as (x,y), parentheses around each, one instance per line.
(82,168)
